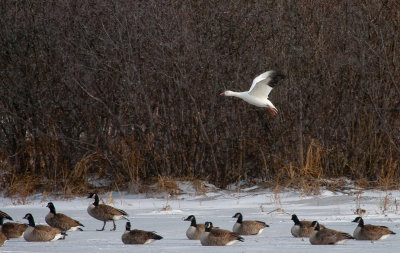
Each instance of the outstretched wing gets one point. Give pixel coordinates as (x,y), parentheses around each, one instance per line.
(264,83)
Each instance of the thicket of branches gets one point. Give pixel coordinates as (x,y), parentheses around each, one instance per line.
(129,91)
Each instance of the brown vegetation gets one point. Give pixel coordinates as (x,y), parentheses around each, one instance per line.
(127,91)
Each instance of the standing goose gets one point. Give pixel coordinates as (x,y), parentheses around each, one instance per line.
(105,212)
(302,228)
(247,227)
(11,229)
(41,233)
(327,236)
(61,221)
(370,232)
(195,230)
(138,236)
(259,90)
(218,237)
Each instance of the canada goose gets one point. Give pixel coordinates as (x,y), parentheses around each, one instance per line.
(11,229)
(104,212)
(302,228)
(218,237)
(247,227)
(370,232)
(61,221)
(195,230)
(138,236)
(3,238)
(327,236)
(41,233)
(260,88)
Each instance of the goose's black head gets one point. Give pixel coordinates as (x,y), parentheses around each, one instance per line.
(208,226)
(315,225)
(51,206)
(190,218)
(30,219)
(295,219)
(360,221)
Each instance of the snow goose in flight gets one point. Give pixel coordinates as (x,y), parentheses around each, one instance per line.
(259,90)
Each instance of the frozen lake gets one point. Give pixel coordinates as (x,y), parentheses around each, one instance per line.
(165,216)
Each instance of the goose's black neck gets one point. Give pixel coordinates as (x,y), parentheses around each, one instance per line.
(295,220)
(193,222)
(52,209)
(361,223)
(128,226)
(31,221)
(1,220)
(96,200)
(240,219)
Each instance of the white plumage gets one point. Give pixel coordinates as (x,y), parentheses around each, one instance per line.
(260,88)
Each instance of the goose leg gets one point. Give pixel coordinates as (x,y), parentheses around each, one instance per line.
(102,228)
(273,111)
(115,227)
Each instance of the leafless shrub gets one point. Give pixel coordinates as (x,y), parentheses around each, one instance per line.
(127,91)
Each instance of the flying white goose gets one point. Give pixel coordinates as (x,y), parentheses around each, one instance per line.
(259,90)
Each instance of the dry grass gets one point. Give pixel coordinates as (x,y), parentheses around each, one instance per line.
(22,187)
(387,203)
(168,184)
(173,124)
(200,187)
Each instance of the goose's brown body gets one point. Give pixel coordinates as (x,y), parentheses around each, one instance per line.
(41,233)
(218,237)
(327,236)
(105,212)
(195,230)
(370,232)
(61,221)
(137,236)
(11,229)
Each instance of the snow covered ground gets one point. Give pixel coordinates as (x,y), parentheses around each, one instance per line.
(165,216)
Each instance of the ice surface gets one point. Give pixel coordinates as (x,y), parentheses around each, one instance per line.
(165,216)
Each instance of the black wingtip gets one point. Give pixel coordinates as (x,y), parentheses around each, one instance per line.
(240,239)
(276,76)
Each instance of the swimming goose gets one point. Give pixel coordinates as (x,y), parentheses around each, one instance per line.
(11,229)
(105,212)
(259,90)
(41,233)
(138,236)
(327,236)
(61,221)
(195,230)
(302,228)
(247,227)
(370,232)
(218,237)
